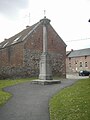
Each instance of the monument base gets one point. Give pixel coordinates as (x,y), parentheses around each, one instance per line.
(46,82)
(45,67)
(44,77)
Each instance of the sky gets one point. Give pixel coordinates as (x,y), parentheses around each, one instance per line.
(68,17)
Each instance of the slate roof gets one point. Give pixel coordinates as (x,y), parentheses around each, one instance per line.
(19,37)
(68,52)
(78,53)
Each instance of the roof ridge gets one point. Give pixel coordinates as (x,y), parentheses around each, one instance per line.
(81,49)
(37,24)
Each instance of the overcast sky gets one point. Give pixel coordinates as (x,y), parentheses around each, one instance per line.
(68,17)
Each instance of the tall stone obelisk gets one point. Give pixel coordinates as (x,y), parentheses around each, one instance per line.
(45,62)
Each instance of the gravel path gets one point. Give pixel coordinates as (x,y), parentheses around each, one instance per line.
(30,101)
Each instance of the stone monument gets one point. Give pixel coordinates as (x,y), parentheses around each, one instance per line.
(45,76)
(45,63)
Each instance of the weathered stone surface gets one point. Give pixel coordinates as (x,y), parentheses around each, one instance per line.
(45,67)
(46,82)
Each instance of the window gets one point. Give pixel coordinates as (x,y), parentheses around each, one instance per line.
(85,57)
(80,64)
(10,52)
(69,58)
(86,64)
(52,41)
(75,63)
(69,64)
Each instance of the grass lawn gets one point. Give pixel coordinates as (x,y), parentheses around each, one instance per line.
(4,96)
(72,103)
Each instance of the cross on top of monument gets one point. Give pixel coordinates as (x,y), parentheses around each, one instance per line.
(44,13)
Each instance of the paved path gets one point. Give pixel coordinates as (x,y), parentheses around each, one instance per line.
(30,101)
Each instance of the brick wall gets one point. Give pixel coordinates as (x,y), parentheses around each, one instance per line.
(56,48)
(73,64)
(11,60)
(22,59)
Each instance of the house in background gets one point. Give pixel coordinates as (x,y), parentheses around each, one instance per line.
(77,60)
(20,54)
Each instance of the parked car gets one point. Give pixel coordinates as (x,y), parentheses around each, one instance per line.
(84,73)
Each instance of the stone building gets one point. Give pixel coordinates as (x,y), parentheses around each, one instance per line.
(77,60)
(20,54)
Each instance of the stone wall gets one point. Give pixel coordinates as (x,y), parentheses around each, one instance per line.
(11,61)
(58,65)
(31,61)
(22,59)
